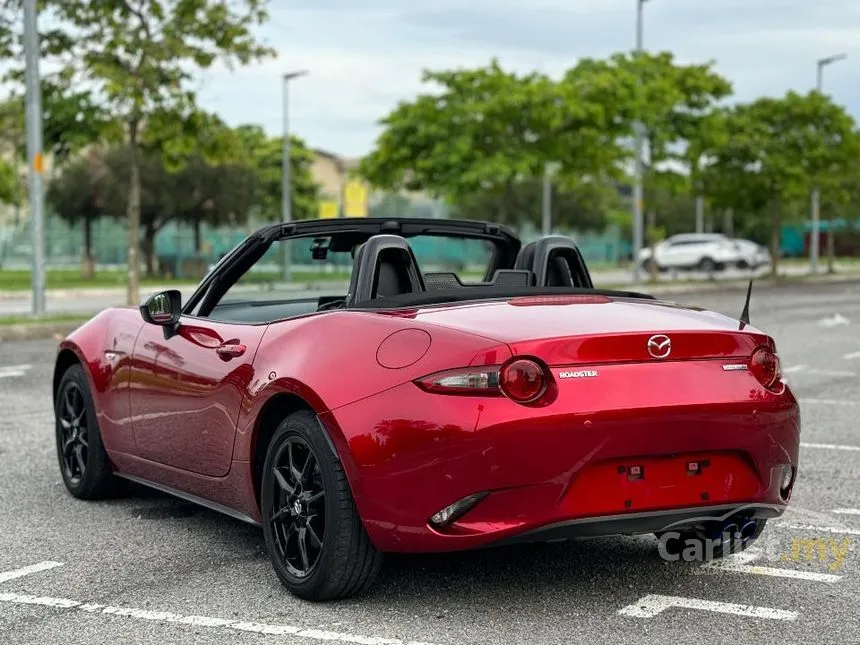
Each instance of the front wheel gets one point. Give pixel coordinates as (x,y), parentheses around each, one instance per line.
(314,535)
(84,464)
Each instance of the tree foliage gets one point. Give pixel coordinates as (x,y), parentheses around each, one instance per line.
(139,57)
(265,156)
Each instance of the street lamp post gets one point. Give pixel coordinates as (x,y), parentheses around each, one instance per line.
(286,188)
(639,132)
(34,153)
(816,193)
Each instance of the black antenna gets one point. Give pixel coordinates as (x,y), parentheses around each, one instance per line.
(745,314)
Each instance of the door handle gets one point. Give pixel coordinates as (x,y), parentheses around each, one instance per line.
(230,350)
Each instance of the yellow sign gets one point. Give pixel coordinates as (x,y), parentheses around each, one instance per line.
(328,210)
(38,163)
(355,199)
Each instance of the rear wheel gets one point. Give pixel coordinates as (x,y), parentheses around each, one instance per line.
(707,265)
(313,533)
(84,464)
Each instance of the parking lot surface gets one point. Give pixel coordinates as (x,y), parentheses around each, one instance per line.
(148,568)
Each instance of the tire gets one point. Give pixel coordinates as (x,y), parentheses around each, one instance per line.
(84,465)
(709,548)
(707,265)
(293,511)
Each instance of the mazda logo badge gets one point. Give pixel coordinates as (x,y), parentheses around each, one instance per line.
(659,346)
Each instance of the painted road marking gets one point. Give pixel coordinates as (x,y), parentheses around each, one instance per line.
(26,571)
(831,402)
(830,446)
(846,511)
(653,604)
(739,563)
(14,370)
(823,529)
(834,321)
(851,356)
(794,369)
(179,619)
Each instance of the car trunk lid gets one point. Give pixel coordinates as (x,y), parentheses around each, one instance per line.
(568,330)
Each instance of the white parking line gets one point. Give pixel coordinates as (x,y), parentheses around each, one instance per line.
(26,571)
(739,563)
(830,446)
(831,402)
(847,511)
(824,529)
(794,369)
(653,604)
(12,371)
(851,356)
(179,619)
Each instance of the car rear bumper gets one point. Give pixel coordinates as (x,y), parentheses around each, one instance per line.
(565,469)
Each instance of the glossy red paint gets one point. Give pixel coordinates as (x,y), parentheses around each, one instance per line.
(174,412)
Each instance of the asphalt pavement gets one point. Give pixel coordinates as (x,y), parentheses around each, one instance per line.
(151,569)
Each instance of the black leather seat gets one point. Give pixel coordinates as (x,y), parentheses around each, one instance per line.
(384,266)
(555,261)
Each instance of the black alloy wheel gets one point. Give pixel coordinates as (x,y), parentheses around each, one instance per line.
(298,515)
(74,435)
(314,535)
(84,463)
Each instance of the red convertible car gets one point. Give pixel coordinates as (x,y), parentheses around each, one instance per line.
(422,411)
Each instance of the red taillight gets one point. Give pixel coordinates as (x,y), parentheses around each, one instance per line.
(523,380)
(764,365)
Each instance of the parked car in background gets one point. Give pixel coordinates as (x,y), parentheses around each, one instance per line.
(705,252)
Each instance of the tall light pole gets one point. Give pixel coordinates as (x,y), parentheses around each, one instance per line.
(34,153)
(286,187)
(639,132)
(816,193)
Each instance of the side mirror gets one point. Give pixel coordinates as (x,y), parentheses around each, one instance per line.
(163,308)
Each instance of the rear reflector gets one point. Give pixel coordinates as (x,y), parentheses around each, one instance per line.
(455,511)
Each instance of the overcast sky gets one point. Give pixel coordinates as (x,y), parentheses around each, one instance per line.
(365,55)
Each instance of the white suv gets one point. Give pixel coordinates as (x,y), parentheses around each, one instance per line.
(705,252)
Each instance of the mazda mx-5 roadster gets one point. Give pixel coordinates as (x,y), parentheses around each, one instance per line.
(467,390)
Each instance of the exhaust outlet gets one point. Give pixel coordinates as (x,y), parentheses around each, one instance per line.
(748,531)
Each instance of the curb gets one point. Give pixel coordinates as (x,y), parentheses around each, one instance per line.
(37,331)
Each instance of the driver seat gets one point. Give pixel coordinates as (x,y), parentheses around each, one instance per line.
(384,266)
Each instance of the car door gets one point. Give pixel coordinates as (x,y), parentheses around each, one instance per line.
(668,252)
(186,390)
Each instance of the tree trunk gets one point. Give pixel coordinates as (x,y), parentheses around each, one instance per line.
(197,241)
(776,219)
(88,268)
(831,244)
(729,222)
(133,216)
(148,247)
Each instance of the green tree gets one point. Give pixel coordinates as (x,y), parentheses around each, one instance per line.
(484,133)
(78,194)
(774,151)
(212,194)
(140,55)
(264,155)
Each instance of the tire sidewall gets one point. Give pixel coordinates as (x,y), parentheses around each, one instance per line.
(95,450)
(300,425)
